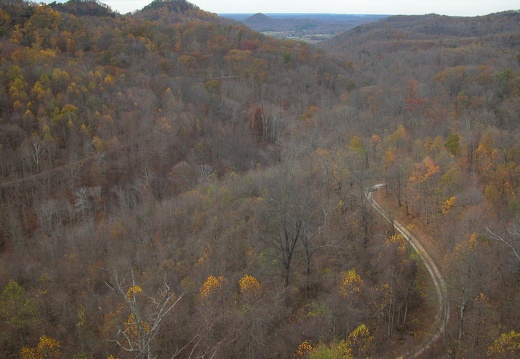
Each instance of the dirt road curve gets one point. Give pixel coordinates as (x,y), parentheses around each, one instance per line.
(442,312)
(41,175)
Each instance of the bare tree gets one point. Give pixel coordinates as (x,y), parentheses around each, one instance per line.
(513,243)
(293,219)
(205,172)
(146,315)
(32,152)
(285,221)
(284,241)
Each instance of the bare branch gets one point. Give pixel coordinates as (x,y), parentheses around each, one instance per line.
(195,339)
(147,325)
(507,243)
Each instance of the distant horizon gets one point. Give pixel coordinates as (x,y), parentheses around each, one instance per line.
(466,8)
(315,16)
(299,13)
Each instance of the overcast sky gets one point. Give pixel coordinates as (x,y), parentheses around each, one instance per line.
(387,7)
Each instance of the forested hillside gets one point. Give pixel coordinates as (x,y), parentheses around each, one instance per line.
(174,185)
(438,104)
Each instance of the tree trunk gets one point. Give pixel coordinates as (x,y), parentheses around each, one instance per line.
(461,323)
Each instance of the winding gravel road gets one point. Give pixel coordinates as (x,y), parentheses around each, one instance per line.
(442,312)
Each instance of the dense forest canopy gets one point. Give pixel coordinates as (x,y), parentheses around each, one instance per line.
(176,185)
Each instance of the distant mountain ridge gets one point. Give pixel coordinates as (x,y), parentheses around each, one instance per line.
(259,19)
(294,25)
(169,10)
(429,30)
(261,22)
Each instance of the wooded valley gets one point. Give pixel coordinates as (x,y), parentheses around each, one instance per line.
(176,185)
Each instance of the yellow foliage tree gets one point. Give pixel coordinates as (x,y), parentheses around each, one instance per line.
(360,342)
(249,286)
(211,285)
(303,349)
(109,80)
(47,348)
(351,283)
(448,205)
(98,143)
(132,291)
(397,239)
(351,289)
(506,346)
(133,329)
(356,144)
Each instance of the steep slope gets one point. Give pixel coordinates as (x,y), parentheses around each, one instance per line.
(441,98)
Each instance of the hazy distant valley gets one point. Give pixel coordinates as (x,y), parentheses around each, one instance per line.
(305,27)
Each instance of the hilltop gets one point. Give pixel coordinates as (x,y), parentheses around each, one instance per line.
(174,11)
(83,8)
